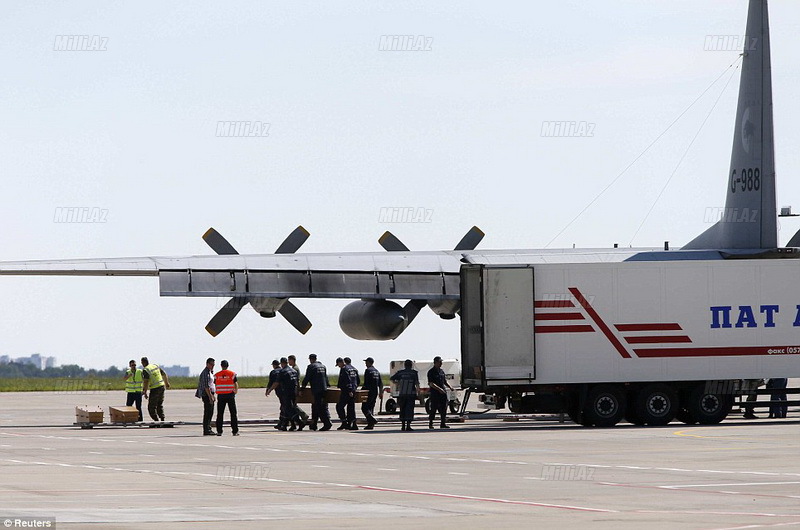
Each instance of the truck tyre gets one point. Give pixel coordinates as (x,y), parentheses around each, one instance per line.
(708,408)
(391,406)
(605,406)
(514,404)
(656,404)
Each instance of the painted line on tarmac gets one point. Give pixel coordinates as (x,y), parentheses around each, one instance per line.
(690,490)
(277,450)
(489,499)
(676,469)
(335,484)
(739,514)
(416,457)
(729,484)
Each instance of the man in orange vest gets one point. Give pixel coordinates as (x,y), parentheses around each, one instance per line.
(227,386)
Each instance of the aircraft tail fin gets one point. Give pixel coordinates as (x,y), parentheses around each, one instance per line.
(749,220)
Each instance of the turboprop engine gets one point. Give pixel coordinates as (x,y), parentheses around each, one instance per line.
(373,320)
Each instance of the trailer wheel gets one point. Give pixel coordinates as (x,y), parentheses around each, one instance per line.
(391,406)
(708,408)
(454,405)
(656,404)
(605,406)
(514,404)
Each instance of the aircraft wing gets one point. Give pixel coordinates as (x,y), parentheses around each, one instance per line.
(370,275)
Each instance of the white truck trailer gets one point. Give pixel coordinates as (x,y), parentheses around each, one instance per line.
(623,337)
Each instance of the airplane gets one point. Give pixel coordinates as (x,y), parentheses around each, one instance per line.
(377,280)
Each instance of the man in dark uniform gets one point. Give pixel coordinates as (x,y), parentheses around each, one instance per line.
(273,378)
(437,381)
(373,384)
(407,389)
(348,384)
(287,380)
(303,416)
(778,387)
(317,376)
(205,391)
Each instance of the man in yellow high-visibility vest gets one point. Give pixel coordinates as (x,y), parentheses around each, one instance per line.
(133,387)
(156,381)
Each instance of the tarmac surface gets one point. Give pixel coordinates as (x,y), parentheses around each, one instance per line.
(484,472)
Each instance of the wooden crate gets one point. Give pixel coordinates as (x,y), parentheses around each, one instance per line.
(88,414)
(123,414)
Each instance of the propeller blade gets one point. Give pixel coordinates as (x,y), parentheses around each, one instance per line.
(225,315)
(471,239)
(390,242)
(295,317)
(293,241)
(218,243)
(412,309)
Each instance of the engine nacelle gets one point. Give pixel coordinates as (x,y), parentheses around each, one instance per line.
(373,320)
(446,309)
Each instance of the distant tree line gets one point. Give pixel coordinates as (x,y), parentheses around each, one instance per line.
(67,371)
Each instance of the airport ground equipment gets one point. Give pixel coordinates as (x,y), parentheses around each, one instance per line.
(452,370)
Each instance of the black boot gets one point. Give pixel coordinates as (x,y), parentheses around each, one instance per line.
(430,424)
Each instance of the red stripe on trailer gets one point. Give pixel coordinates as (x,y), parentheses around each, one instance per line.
(657,339)
(564,329)
(553,303)
(559,316)
(648,327)
(719,351)
(597,320)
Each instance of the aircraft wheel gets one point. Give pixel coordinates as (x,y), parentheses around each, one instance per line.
(391,406)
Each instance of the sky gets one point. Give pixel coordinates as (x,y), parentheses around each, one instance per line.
(454,129)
